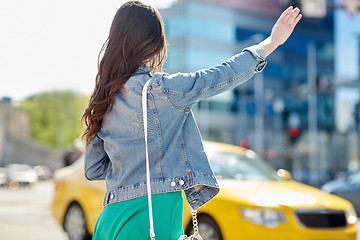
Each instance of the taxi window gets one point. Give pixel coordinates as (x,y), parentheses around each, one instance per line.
(241,167)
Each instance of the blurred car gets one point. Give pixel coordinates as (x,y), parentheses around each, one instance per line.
(3,176)
(346,187)
(20,174)
(43,172)
(254,203)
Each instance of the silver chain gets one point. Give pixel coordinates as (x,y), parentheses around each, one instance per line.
(196,235)
(195,222)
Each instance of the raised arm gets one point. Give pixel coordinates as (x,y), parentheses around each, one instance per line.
(187,89)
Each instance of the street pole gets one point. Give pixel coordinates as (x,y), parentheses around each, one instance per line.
(259,131)
(241,114)
(279,107)
(312,114)
(259,115)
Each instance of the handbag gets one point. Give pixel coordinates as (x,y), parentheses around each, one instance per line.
(196,235)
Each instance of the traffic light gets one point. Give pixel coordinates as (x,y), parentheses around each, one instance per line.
(244,143)
(294,134)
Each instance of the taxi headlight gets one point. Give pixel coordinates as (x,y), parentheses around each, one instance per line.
(351,216)
(264,217)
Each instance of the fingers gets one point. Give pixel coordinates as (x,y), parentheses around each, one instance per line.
(293,15)
(286,13)
(297,19)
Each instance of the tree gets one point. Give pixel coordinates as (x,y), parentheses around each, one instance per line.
(55,116)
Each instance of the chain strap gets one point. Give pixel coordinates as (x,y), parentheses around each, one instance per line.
(196,235)
(195,222)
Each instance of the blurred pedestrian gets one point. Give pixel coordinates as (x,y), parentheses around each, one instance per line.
(115,151)
(77,151)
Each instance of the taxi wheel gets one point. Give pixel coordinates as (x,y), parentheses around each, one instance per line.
(75,223)
(208,228)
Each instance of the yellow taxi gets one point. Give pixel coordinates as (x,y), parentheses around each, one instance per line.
(255,202)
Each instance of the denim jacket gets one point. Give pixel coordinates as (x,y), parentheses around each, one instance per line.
(177,158)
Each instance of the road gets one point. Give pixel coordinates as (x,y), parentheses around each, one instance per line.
(25,214)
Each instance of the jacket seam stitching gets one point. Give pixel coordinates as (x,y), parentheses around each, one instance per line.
(158,129)
(175,93)
(184,150)
(164,91)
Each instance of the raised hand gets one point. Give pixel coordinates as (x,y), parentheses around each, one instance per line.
(281,30)
(285,25)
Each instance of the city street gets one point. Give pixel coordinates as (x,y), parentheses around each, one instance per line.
(25,214)
(261,95)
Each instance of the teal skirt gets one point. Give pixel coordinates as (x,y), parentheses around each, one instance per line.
(129,219)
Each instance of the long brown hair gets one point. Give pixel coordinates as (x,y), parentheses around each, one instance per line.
(136,37)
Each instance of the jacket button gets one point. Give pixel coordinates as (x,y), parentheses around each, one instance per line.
(173,184)
(181,182)
(112,196)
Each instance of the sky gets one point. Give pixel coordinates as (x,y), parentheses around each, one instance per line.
(53,44)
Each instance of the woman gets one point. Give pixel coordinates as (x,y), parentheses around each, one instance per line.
(134,53)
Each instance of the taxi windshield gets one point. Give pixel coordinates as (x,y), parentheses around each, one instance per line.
(241,167)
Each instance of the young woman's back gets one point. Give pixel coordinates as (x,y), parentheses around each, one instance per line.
(115,129)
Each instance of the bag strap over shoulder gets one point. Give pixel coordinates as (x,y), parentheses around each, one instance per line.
(148,184)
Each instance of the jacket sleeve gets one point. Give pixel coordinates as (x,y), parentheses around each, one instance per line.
(97,162)
(185,89)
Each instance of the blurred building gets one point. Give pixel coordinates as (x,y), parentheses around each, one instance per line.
(16,144)
(347,80)
(287,113)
